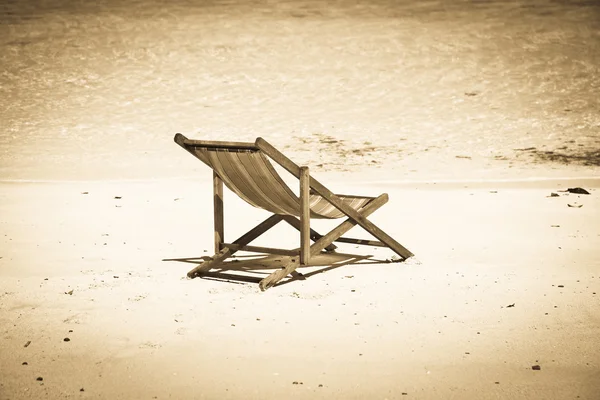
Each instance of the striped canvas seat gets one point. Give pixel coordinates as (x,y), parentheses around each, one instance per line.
(248,173)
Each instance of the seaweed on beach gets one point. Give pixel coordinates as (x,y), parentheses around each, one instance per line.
(590,157)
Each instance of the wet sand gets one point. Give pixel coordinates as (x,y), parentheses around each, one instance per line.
(417,90)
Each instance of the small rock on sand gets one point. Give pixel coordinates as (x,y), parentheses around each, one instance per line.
(577,190)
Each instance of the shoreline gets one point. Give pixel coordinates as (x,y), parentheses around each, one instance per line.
(593,181)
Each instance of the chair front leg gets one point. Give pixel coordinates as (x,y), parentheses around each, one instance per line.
(304,216)
(218,212)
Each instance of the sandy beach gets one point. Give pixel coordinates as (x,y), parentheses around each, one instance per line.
(474,117)
(505,278)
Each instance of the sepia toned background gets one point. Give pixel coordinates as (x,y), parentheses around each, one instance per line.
(415,90)
(476,117)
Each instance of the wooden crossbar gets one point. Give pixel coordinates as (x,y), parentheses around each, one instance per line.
(364,242)
(348,224)
(259,249)
(219,145)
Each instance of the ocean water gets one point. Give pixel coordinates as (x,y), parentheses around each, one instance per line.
(403,90)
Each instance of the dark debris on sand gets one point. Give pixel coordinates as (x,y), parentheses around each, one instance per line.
(577,190)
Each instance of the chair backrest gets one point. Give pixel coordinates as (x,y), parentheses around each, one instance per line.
(247,171)
(252,177)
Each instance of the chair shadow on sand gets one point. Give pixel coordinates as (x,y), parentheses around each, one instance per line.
(253,268)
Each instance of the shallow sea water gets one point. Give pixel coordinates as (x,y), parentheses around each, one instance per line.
(401,90)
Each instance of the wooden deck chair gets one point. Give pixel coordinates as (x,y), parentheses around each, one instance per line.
(246,170)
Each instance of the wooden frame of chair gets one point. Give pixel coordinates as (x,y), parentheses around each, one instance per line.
(301,256)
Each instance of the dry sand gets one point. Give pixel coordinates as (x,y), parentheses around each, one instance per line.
(79,263)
